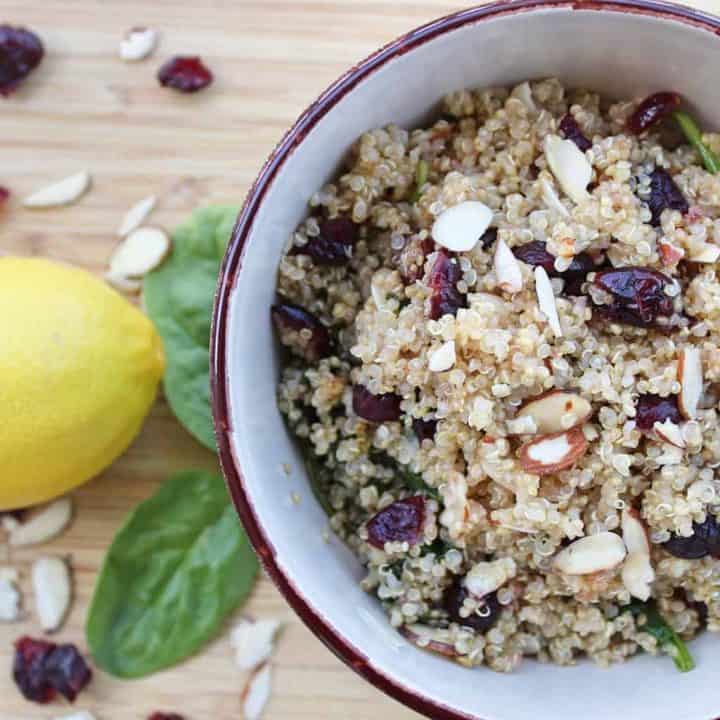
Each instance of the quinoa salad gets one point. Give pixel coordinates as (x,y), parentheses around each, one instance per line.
(501,361)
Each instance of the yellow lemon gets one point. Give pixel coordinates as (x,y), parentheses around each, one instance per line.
(79,370)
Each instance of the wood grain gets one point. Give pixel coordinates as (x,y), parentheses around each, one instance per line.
(84,108)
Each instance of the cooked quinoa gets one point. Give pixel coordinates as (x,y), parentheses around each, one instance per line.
(497,518)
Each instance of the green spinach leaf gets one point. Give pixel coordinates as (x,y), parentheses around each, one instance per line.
(177,567)
(179,299)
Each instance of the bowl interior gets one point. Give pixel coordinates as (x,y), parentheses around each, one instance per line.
(620,53)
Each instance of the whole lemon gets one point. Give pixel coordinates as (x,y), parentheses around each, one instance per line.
(79,370)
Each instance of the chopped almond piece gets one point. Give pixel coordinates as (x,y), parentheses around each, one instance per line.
(556,411)
(551,453)
(690,375)
(591,554)
(670,432)
(634,532)
(507,268)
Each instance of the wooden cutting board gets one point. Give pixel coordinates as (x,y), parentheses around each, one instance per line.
(84,108)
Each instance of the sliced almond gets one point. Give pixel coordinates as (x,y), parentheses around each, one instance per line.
(634,532)
(438,640)
(9,596)
(44,524)
(637,575)
(132,286)
(569,166)
(546,300)
(137,215)
(141,251)
(486,577)
(138,44)
(523,92)
(443,358)
(257,693)
(556,411)
(591,554)
(669,432)
(551,198)
(460,227)
(64,192)
(706,254)
(690,375)
(551,453)
(53,591)
(254,642)
(507,268)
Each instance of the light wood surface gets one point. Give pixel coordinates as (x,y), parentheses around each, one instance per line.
(84,108)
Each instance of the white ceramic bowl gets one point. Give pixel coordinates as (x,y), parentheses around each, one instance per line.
(623,49)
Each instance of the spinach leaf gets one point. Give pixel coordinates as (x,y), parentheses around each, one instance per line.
(666,637)
(415,482)
(179,299)
(177,567)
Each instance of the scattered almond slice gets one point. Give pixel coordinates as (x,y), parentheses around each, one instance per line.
(460,227)
(523,92)
(569,166)
(486,577)
(443,358)
(551,453)
(9,595)
(670,432)
(128,285)
(591,554)
(633,531)
(690,375)
(637,575)
(63,192)
(507,268)
(551,198)
(546,300)
(141,251)
(138,44)
(43,525)
(706,254)
(52,585)
(254,642)
(257,693)
(437,640)
(556,411)
(137,215)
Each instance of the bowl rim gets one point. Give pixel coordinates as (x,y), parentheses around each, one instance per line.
(230,276)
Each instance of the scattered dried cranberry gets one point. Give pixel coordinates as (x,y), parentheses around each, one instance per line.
(375,408)
(650,409)
(165,716)
(704,541)
(571,131)
(185,73)
(443,278)
(664,194)
(535,254)
(20,53)
(639,297)
(333,245)
(293,317)
(41,669)
(454,599)
(651,110)
(400,522)
(424,429)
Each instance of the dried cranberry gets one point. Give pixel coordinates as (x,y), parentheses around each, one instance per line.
(443,278)
(20,53)
(639,296)
(650,409)
(333,245)
(571,131)
(293,317)
(664,195)
(187,74)
(424,429)
(165,716)
(41,669)
(4,194)
(375,408)
(400,522)
(535,253)
(454,599)
(704,541)
(651,110)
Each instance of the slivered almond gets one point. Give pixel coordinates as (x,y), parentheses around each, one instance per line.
(138,44)
(9,595)
(443,358)
(670,433)
(708,253)
(257,693)
(507,268)
(438,640)
(556,411)
(551,453)
(551,199)
(591,554)
(637,575)
(43,525)
(137,215)
(690,375)
(460,227)
(141,251)
(546,300)
(634,532)
(254,642)
(569,166)
(63,192)
(486,577)
(53,591)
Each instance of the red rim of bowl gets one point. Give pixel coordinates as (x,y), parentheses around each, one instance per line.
(230,276)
